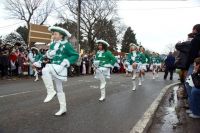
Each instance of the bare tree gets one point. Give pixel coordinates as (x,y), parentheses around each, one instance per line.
(35,11)
(91,12)
(170,48)
(43,12)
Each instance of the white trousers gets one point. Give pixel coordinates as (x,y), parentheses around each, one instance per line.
(46,72)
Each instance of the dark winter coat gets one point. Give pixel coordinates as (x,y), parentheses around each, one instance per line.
(195,49)
(182,58)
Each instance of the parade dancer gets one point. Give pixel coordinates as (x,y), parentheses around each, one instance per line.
(156,64)
(130,64)
(134,63)
(143,63)
(153,64)
(61,55)
(103,62)
(37,62)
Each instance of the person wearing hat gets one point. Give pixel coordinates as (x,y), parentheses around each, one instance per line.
(158,63)
(130,64)
(155,61)
(103,62)
(134,61)
(143,61)
(138,65)
(37,61)
(61,55)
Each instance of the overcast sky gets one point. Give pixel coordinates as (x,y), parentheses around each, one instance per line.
(157,24)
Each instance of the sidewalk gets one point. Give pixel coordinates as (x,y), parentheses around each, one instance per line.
(171,117)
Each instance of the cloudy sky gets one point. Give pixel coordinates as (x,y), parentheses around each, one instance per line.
(157,24)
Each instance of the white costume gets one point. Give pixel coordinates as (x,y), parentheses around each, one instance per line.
(103,63)
(62,55)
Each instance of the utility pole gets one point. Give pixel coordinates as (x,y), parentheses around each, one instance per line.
(78,25)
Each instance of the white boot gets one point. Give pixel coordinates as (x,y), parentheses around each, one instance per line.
(36,77)
(62,102)
(156,75)
(126,73)
(134,74)
(134,86)
(103,85)
(142,78)
(153,75)
(35,72)
(103,94)
(48,82)
(140,81)
(102,82)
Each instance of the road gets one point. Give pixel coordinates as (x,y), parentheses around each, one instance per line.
(22,109)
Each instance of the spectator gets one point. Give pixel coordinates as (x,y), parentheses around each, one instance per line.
(4,63)
(169,63)
(195,48)
(25,65)
(182,58)
(13,60)
(193,90)
(31,60)
(116,66)
(20,63)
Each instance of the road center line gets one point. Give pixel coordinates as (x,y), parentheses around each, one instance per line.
(24,92)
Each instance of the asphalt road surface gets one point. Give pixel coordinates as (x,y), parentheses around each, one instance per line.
(22,109)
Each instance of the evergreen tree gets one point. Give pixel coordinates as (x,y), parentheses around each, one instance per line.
(129,37)
(107,32)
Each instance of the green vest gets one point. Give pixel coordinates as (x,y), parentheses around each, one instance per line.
(153,59)
(141,58)
(105,58)
(65,51)
(137,57)
(158,59)
(131,57)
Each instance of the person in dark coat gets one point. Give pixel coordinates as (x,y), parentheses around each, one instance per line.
(4,63)
(169,63)
(182,58)
(195,48)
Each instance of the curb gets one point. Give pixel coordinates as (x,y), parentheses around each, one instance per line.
(146,120)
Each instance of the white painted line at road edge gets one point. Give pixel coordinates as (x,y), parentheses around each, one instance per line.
(25,92)
(143,124)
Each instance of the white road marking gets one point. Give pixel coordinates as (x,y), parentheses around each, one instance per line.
(14,94)
(93,86)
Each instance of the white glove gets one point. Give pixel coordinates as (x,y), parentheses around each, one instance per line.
(190,81)
(52,53)
(96,63)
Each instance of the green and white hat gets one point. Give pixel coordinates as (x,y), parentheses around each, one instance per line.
(60,30)
(102,41)
(34,48)
(133,45)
